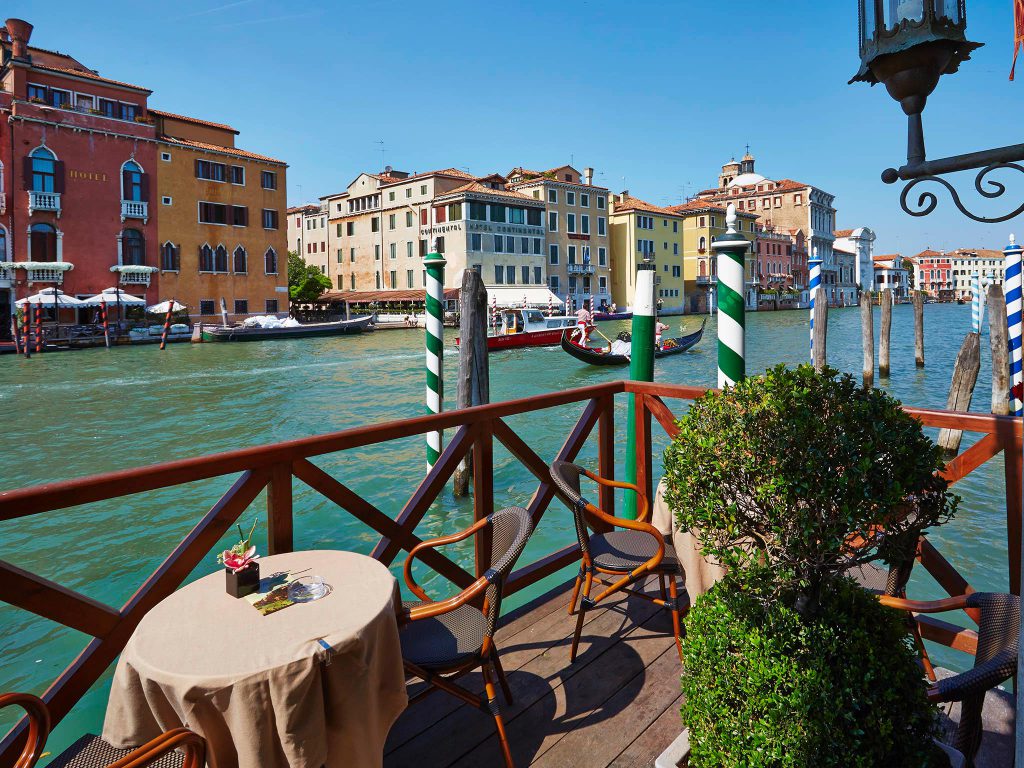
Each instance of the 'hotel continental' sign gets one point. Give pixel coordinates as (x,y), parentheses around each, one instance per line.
(86,175)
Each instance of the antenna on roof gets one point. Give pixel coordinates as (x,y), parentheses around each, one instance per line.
(382,150)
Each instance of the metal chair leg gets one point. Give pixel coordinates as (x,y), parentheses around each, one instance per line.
(661,584)
(575,592)
(492,703)
(676,626)
(501,676)
(588,581)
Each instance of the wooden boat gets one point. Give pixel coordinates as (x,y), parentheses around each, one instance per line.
(613,316)
(527,328)
(604,356)
(242,333)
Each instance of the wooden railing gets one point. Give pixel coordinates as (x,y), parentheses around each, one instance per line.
(475,430)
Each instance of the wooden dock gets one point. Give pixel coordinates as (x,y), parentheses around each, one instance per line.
(616,706)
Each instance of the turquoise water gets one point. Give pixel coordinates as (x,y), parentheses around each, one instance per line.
(68,415)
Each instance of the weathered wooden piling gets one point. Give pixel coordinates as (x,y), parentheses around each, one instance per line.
(1000,346)
(474,376)
(919,328)
(820,328)
(961,389)
(884,334)
(867,324)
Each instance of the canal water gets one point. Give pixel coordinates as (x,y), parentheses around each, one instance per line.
(68,415)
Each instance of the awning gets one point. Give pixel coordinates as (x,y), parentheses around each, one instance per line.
(511,296)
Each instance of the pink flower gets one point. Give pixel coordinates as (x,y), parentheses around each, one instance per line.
(237,562)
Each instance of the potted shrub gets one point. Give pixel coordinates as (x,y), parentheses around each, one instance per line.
(787,479)
(241,571)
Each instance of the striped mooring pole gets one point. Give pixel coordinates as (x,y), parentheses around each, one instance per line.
(730,250)
(976,303)
(814,265)
(641,368)
(1012,286)
(434,262)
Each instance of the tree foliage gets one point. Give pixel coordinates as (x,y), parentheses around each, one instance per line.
(305,281)
(798,471)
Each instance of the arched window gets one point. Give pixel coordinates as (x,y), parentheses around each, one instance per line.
(169,257)
(3,244)
(240,266)
(270,262)
(703,268)
(43,168)
(703,244)
(131,182)
(220,259)
(133,248)
(205,258)
(43,242)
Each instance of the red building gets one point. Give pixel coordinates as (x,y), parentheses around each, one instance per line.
(934,273)
(78,153)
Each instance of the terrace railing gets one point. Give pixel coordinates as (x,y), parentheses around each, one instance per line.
(476,431)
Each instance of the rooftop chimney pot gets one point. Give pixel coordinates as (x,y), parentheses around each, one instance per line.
(20,32)
(588,175)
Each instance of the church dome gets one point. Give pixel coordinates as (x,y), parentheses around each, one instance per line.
(746,180)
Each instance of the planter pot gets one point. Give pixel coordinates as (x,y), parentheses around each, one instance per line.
(245,582)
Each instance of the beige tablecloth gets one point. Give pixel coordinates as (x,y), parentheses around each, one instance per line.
(701,572)
(261,689)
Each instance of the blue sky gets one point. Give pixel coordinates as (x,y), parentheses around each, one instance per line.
(654,95)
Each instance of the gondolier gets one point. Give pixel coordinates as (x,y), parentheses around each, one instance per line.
(659,329)
(584,323)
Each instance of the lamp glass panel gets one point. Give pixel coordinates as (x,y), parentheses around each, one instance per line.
(899,10)
(950,9)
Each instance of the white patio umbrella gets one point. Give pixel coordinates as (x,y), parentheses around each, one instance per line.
(52,297)
(113,296)
(162,307)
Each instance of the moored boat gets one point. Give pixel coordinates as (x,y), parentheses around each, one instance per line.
(301,331)
(527,328)
(613,316)
(617,352)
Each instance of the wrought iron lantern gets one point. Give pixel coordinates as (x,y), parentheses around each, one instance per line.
(908,45)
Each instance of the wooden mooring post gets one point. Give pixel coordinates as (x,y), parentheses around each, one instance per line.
(474,386)
(867,323)
(820,328)
(884,334)
(1000,346)
(961,389)
(919,328)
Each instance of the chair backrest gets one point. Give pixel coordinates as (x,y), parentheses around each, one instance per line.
(567,479)
(510,530)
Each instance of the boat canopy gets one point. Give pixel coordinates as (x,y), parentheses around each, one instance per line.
(512,296)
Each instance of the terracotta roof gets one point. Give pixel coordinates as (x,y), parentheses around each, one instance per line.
(477,187)
(927,253)
(88,75)
(454,173)
(843,232)
(196,120)
(697,205)
(886,257)
(218,148)
(303,208)
(636,204)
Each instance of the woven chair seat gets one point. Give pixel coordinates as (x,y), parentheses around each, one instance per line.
(625,550)
(93,752)
(443,641)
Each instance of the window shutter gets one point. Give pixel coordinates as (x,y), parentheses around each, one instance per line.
(144,187)
(245,216)
(58,176)
(177,257)
(197,169)
(27,172)
(126,185)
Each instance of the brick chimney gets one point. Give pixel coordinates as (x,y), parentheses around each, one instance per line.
(20,32)
(588,176)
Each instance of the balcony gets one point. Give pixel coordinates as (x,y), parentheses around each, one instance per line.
(43,201)
(707,279)
(581,269)
(134,209)
(133,274)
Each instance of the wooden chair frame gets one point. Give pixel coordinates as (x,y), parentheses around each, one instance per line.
(588,568)
(190,743)
(488,660)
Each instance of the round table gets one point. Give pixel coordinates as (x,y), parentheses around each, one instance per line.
(315,684)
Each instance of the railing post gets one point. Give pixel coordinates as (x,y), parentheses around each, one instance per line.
(483,489)
(279,510)
(606,451)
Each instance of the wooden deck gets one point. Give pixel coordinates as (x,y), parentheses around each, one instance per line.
(617,705)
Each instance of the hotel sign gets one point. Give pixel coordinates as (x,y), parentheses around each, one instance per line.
(86,175)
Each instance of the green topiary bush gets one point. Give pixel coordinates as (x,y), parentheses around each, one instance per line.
(763,686)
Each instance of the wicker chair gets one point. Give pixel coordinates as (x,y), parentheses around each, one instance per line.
(628,556)
(995,661)
(92,752)
(443,640)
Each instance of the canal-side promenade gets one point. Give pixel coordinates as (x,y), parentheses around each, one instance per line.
(73,415)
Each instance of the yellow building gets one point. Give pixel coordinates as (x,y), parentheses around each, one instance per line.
(221,221)
(639,231)
(702,222)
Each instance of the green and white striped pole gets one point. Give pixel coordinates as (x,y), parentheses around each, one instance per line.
(730,249)
(641,367)
(434,262)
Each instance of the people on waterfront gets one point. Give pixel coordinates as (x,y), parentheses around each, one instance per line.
(584,324)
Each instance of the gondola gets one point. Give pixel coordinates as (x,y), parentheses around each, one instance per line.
(604,356)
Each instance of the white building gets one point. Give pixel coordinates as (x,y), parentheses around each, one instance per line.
(890,273)
(308,233)
(965,262)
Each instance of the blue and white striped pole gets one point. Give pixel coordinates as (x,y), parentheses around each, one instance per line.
(815,270)
(976,303)
(1012,286)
